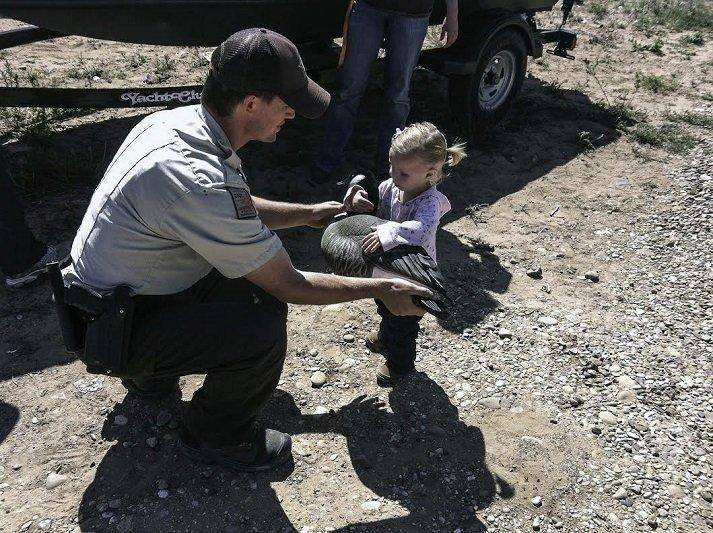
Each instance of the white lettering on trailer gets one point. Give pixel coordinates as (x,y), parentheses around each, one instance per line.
(183,97)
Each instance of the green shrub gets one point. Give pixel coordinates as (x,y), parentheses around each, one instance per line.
(654,83)
(668,136)
(695,39)
(598,9)
(693,118)
(674,14)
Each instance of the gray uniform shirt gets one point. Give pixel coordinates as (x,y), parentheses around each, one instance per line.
(173,204)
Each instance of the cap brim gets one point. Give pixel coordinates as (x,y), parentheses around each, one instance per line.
(312,102)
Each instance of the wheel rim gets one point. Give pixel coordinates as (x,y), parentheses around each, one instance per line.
(497,80)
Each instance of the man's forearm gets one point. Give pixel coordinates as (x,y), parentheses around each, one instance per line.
(322,289)
(280,215)
(452,7)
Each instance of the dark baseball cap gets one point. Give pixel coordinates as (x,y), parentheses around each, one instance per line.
(262,60)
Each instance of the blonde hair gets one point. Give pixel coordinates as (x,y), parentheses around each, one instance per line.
(426,141)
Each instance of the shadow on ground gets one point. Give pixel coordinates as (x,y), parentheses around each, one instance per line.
(9,416)
(392,452)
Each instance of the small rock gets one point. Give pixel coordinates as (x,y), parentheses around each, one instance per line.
(676,492)
(437,431)
(371,505)
(349,338)
(321,410)
(163,418)
(120,420)
(491,402)
(161,484)
(706,496)
(151,442)
(45,524)
(653,521)
(115,503)
(608,418)
(26,526)
(54,480)
(536,501)
(535,272)
(505,333)
(576,401)
(536,523)
(547,320)
(318,379)
(620,494)
(596,430)
(86,386)
(124,526)
(162,494)
(626,396)
(592,275)
(625,382)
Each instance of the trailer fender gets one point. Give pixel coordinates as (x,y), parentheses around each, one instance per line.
(463,57)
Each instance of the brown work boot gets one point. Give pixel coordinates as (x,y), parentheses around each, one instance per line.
(373,342)
(385,377)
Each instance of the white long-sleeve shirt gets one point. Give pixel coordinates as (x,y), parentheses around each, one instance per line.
(414,222)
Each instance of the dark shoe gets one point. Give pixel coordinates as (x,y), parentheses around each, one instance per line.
(56,253)
(267,450)
(151,388)
(385,377)
(373,342)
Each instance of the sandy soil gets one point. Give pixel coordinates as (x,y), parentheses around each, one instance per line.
(494,418)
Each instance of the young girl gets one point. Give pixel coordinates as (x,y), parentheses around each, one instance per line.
(413,205)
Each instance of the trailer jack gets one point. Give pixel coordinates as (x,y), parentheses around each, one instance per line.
(566,42)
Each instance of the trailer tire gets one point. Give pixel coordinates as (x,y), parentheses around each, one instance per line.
(480,100)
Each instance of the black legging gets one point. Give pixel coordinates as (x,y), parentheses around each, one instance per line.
(19,249)
(398,336)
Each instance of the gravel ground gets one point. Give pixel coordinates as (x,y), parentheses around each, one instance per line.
(569,392)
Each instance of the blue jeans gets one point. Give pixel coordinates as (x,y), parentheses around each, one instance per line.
(403,37)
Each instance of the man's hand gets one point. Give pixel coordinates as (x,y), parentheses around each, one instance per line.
(360,202)
(357,200)
(370,243)
(322,214)
(398,294)
(449,30)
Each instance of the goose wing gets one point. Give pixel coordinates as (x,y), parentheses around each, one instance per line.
(412,262)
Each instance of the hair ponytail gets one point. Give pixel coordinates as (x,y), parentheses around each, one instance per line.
(455,154)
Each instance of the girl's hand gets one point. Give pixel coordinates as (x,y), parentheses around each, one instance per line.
(370,243)
(361,203)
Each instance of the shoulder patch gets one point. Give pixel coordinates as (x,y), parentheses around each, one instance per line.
(244,207)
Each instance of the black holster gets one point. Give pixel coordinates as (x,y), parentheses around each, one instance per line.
(96,327)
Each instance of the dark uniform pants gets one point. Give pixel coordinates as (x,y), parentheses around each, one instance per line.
(19,249)
(230,330)
(398,336)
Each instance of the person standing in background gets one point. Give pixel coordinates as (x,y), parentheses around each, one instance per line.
(23,258)
(400,26)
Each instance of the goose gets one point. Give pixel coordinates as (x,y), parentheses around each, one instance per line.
(341,246)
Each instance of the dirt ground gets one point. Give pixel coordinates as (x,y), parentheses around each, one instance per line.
(565,403)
